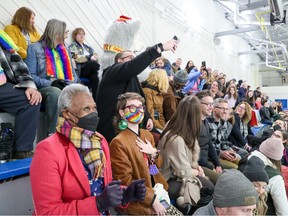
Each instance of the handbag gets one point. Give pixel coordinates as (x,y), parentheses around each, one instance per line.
(172,210)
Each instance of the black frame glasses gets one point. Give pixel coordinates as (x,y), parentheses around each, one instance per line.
(207,104)
(222,108)
(129,56)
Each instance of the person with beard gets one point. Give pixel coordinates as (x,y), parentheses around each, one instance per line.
(220,130)
(71,170)
(174,94)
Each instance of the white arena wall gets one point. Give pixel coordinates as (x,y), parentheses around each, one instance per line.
(193,21)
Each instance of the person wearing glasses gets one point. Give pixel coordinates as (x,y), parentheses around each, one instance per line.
(208,152)
(134,156)
(121,77)
(241,128)
(255,172)
(71,171)
(50,65)
(180,150)
(271,152)
(219,130)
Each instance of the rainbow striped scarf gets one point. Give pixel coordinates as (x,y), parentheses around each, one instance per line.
(6,42)
(58,63)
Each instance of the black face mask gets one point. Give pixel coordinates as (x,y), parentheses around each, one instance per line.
(89,122)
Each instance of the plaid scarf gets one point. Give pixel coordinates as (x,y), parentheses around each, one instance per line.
(85,141)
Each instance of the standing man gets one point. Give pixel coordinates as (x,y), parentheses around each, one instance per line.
(121,77)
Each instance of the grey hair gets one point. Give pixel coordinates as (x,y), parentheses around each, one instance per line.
(66,95)
(218,101)
(55,29)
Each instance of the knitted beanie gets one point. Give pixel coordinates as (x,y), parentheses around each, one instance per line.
(181,77)
(255,170)
(234,189)
(272,148)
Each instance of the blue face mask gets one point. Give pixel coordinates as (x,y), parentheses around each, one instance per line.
(88,122)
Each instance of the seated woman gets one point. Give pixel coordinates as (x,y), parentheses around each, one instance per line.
(49,63)
(180,149)
(265,113)
(271,152)
(71,170)
(241,128)
(85,58)
(154,87)
(22,30)
(255,172)
(133,155)
(231,96)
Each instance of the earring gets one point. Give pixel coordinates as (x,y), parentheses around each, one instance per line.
(122,125)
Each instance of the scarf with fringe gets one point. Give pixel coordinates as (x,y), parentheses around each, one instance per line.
(88,143)
(58,64)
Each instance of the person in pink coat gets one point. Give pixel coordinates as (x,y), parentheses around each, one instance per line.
(71,170)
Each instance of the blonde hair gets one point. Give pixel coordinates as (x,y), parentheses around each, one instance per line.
(55,29)
(158,78)
(22,18)
(261,207)
(248,111)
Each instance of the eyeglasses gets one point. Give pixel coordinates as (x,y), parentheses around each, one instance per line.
(277,135)
(129,56)
(133,108)
(207,104)
(222,108)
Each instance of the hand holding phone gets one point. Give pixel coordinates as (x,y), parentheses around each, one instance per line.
(177,40)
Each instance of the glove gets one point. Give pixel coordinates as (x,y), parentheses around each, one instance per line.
(111,196)
(134,192)
(59,83)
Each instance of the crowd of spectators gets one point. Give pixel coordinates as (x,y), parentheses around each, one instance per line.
(180,128)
